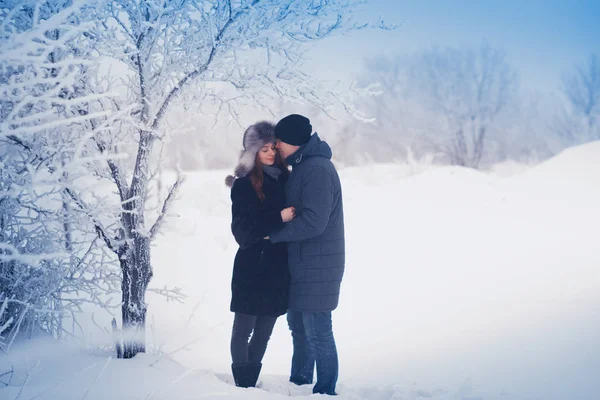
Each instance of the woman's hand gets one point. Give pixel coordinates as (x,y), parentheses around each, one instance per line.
(288,214)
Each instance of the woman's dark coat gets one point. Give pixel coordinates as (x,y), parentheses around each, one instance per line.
(260,283)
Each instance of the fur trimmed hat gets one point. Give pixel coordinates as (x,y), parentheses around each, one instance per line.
(255,137)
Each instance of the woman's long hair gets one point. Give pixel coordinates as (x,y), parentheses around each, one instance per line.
(257,176)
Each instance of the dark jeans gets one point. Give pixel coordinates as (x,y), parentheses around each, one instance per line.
(312,336)
(244,351)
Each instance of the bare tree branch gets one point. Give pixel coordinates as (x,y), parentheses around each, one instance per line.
(580,121)
(165,208)
(115,172)
(177,89)
(100,230)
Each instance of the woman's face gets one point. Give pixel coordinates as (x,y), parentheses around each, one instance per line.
(266,155)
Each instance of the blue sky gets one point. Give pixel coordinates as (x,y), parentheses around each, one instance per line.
(542,39)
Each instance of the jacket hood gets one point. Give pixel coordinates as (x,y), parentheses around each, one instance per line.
(315,147)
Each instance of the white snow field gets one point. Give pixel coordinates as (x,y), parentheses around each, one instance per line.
(459,285)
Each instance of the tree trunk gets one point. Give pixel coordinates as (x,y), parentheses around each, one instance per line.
(135,255)
(460,149)
(478,148)
(135,266)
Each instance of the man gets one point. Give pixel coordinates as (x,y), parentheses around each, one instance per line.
(315,251)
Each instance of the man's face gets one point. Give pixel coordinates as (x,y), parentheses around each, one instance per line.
(285,149)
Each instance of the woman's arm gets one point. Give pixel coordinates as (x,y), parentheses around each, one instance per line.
(249,224)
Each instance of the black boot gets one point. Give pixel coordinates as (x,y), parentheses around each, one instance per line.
(240,374)
(253,373)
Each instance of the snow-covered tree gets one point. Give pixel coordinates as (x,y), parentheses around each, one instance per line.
(233,55)
(469,88)
(398,116)
(580,121)
(6,321)
(442,101)
(50,262)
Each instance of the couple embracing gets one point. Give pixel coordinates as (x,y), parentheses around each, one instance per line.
(290,229)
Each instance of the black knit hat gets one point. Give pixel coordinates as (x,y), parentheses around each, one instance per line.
(294,129)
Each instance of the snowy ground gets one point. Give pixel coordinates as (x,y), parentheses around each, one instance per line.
(459,285)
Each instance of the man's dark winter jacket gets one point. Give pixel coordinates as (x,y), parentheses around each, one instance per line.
(315,238)
(260,283)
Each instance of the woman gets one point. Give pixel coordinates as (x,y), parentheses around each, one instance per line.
(260,273)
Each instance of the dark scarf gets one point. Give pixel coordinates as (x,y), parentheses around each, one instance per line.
(273,171)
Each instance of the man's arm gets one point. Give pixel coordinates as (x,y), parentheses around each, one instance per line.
(317,200)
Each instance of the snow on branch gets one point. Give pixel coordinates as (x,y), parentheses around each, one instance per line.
(224,41)
(5,322)
(41,66)
(50,261)
(174,294)
(11,253)
(100,229)
(33,33)
(166,205)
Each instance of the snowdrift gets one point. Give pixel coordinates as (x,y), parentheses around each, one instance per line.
(458,285)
